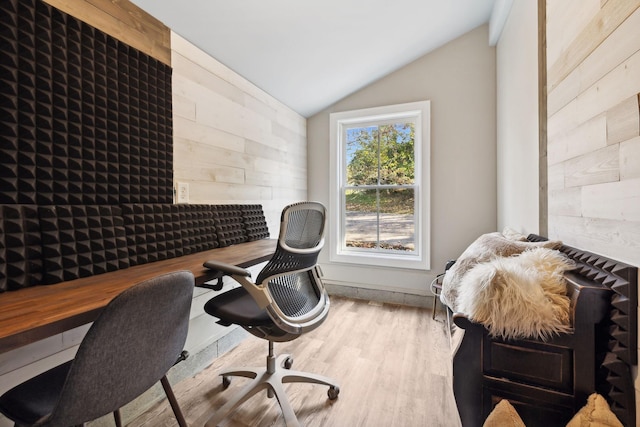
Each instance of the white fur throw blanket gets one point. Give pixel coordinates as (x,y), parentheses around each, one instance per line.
(516,289)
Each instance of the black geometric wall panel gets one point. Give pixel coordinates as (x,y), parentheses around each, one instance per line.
(255,223)
(81,240)
(161,231)
(20,247)
(84,118)
(149,230)
(229,224)
(48,244)
(197,224)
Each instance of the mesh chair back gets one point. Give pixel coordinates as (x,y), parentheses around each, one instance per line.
(300,241)
(299,299)
(129,348)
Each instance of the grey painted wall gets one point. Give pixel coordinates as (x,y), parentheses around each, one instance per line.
(460,81)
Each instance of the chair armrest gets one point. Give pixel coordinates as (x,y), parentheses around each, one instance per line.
(227,269)
(259,294)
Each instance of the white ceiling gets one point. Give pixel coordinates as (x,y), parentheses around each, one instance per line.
(310,54)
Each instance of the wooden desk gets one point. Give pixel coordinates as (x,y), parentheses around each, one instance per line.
(31,314)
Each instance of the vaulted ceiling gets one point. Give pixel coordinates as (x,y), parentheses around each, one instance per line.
(310,54)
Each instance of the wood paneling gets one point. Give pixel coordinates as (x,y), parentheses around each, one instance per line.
(629,155)
(606,20)
(614,50)
(617,239)
(620,83)
(232,140)
(593,168)
(615,200)
(581,11)
(575,140)
(623,121)
(565,202)
(594,127)
(124,21)
(555,177)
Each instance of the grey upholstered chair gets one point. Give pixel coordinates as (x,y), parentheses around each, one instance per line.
(286,301)
(132,344)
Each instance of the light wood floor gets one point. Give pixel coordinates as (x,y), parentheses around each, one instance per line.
(392,363)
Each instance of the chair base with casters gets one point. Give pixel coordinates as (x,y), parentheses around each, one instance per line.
(272,377)
(247,314)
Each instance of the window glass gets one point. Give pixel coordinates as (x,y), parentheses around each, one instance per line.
(378,185)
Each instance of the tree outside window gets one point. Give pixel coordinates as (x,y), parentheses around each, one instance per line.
(379,213)
(379,192)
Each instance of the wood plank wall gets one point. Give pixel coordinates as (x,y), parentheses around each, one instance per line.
(124,21)
(234,143)
(593,148)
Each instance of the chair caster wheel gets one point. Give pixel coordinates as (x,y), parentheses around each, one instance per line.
(226,382)
(288,362)
(333,392)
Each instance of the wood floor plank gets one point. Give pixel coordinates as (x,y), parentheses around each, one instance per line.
(392,363)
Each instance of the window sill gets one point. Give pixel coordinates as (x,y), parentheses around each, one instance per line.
(380,260)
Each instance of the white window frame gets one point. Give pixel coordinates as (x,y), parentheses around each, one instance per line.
(338,253)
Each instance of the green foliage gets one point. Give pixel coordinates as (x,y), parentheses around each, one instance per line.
(391,201)
(381,155)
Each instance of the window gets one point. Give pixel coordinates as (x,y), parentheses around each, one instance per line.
(380,186)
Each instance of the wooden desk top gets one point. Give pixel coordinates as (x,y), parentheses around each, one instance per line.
(31,314)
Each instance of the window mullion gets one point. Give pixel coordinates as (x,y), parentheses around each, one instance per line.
(378,193)
(377,218)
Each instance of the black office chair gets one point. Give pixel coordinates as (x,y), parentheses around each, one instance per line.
(287,300)
(132,344)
